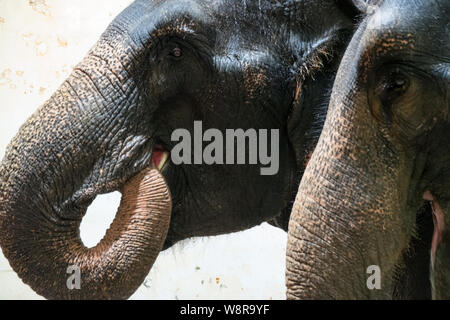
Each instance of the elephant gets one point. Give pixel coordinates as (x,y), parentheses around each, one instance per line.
(371,216)
(160,66)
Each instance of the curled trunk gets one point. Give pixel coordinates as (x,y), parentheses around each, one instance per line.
(93,136)
(44,249)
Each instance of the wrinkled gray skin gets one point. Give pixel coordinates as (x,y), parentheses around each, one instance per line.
(160,66)
(383,154)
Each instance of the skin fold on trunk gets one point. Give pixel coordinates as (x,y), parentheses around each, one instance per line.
(93,136)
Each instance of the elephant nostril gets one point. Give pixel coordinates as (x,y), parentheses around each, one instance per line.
(98,218)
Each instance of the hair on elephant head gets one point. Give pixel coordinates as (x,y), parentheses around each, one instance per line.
(383,155)
(161,66)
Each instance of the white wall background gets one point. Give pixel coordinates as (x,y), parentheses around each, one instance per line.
(40,41)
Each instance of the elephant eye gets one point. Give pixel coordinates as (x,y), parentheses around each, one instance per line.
(392,85)
(176,52)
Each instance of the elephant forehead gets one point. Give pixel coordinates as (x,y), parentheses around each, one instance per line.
(411,17)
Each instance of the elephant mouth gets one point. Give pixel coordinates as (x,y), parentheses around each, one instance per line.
(160,157)
(438,221)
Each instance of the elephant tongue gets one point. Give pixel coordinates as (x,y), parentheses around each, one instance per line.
(438,220)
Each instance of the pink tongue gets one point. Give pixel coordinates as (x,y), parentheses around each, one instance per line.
(157,155)
(438,219)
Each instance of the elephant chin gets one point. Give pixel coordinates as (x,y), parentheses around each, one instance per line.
(46,253)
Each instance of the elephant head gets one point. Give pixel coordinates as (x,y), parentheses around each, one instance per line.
(383,155)
(161,66)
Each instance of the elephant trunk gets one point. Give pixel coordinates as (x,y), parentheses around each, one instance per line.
(94,135)
(44,249)
(339,234)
